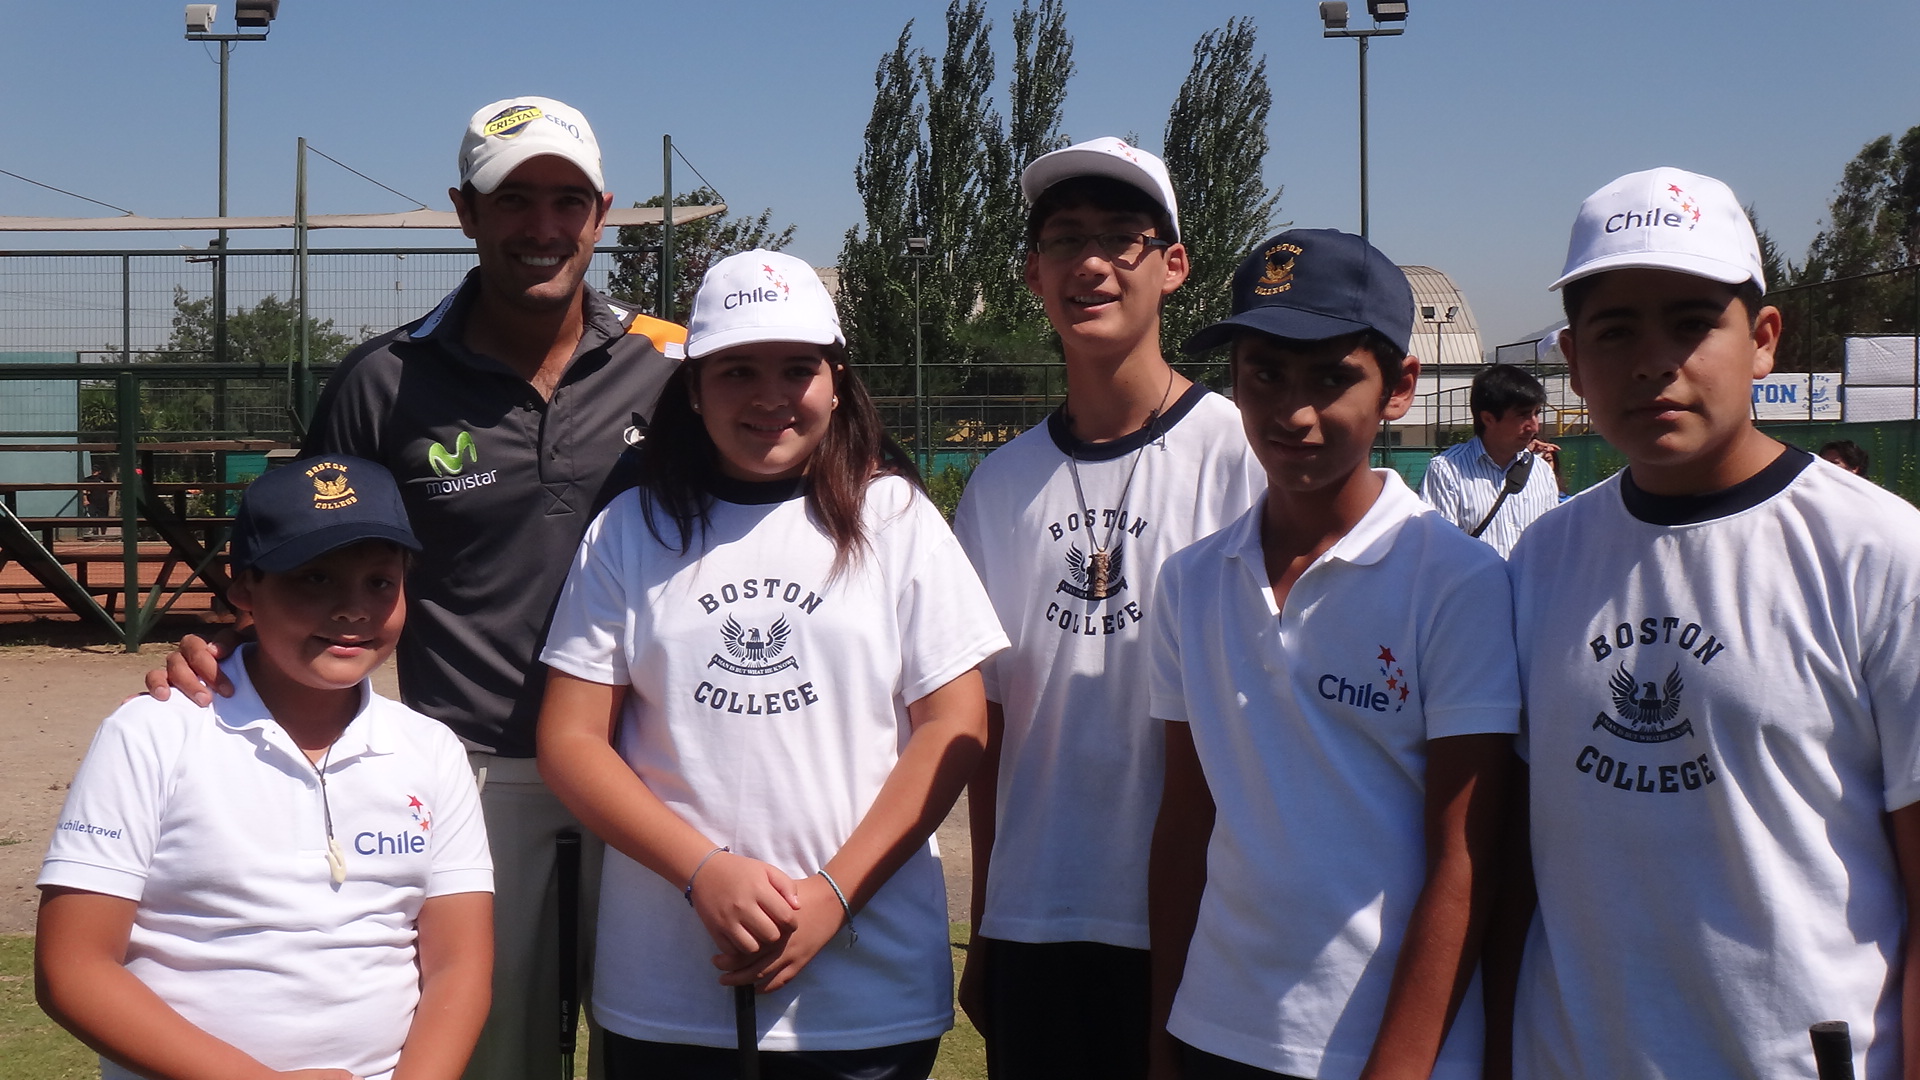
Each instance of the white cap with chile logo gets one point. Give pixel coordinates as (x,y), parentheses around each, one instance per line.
(1664,219)
(760,296)
(1109,157)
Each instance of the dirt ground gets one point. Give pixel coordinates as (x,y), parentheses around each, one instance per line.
(54,692)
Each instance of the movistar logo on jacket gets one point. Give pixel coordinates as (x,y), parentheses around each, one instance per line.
(447,462)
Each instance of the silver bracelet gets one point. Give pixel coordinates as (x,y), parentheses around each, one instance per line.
(835,886)
(688,891)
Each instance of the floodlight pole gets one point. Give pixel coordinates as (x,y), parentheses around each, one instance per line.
(220,244)
(1363,37)
(918,250)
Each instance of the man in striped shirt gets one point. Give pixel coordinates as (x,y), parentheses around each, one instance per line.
(1464,481)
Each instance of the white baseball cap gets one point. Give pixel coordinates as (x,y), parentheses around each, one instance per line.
(512,130)
(758,296)
(1664,219)
(1108,157)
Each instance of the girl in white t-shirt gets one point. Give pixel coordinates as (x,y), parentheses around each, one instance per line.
(764,698)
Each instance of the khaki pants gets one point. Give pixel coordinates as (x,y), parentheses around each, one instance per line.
(521,1039)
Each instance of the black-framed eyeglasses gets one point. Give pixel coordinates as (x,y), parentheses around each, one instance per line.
(1113,246)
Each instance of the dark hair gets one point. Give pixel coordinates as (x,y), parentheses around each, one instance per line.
(1391,359)
(1100,193)
(679,465)
(1850,454)
(1499,388)
(1573,297)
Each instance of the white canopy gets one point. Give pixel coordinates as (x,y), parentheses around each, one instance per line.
(412,219)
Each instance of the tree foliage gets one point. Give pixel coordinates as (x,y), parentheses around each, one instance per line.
(1873,222)
(1216,150)
(1844,287)
(697,245)
(262,334)
(875,299)
(1037,94)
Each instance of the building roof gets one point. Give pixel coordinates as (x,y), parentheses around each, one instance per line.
(1434,295)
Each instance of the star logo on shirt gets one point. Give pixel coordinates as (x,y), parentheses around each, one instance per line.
(1395,676)
(421,814)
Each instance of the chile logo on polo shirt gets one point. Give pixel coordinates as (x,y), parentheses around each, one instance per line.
(1389,695)
(408,840)
(1646,706)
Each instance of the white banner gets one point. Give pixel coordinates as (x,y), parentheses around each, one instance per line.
(1880,360)
(1791,396)
(1869,403)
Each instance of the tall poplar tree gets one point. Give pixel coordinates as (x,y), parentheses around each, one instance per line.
(1037,93)
(951,181)
(1216,150)
(876,306)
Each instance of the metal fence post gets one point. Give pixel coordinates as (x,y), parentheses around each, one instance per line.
(127,419)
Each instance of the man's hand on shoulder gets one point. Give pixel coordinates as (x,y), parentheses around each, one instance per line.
(194,669)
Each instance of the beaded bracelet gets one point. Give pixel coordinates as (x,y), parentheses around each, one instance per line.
(688,891)
(844,906)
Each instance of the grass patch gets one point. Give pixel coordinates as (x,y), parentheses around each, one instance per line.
(963,1054)
(33,1047)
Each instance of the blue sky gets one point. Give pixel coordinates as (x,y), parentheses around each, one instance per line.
(1491,119)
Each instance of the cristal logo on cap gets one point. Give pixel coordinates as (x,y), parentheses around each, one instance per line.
(1684,212)
(331,489)
(511,121)
(1278,275)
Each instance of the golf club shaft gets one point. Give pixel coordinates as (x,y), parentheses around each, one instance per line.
(746,1032)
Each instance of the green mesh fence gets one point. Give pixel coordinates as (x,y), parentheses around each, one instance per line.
(1893,453)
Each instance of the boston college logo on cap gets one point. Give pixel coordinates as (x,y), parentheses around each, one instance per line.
(1278,275)
(511,121)
(331,489)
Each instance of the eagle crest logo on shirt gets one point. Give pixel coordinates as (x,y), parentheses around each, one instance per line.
(754,652)
(1645,709)
(1096,576)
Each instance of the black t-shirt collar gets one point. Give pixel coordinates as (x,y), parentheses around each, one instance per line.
(1062,433)
(755,492)
(1694,509)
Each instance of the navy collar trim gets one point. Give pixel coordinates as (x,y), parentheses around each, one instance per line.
(755,492)
(1062,433)
(1694,509)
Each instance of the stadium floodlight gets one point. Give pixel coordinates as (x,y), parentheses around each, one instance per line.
(259,13)
(253,14)
(1333,13)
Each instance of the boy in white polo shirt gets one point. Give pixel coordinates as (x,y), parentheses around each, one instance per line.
(1067,526)
(1336,672)
(1719,656)
(293,881)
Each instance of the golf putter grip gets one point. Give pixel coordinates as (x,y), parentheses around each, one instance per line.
(1832,1050)
(746,1032)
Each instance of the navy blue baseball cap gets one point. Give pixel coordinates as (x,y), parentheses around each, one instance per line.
(1314,284)
(306,508)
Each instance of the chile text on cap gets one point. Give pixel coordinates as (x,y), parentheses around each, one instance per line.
(1664,219)
(759,296)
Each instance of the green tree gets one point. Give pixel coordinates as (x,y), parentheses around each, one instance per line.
(1846,283)
(697,245)
(875,301)
(950,184)
(1216,149)
(262,334)
(1037,94)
